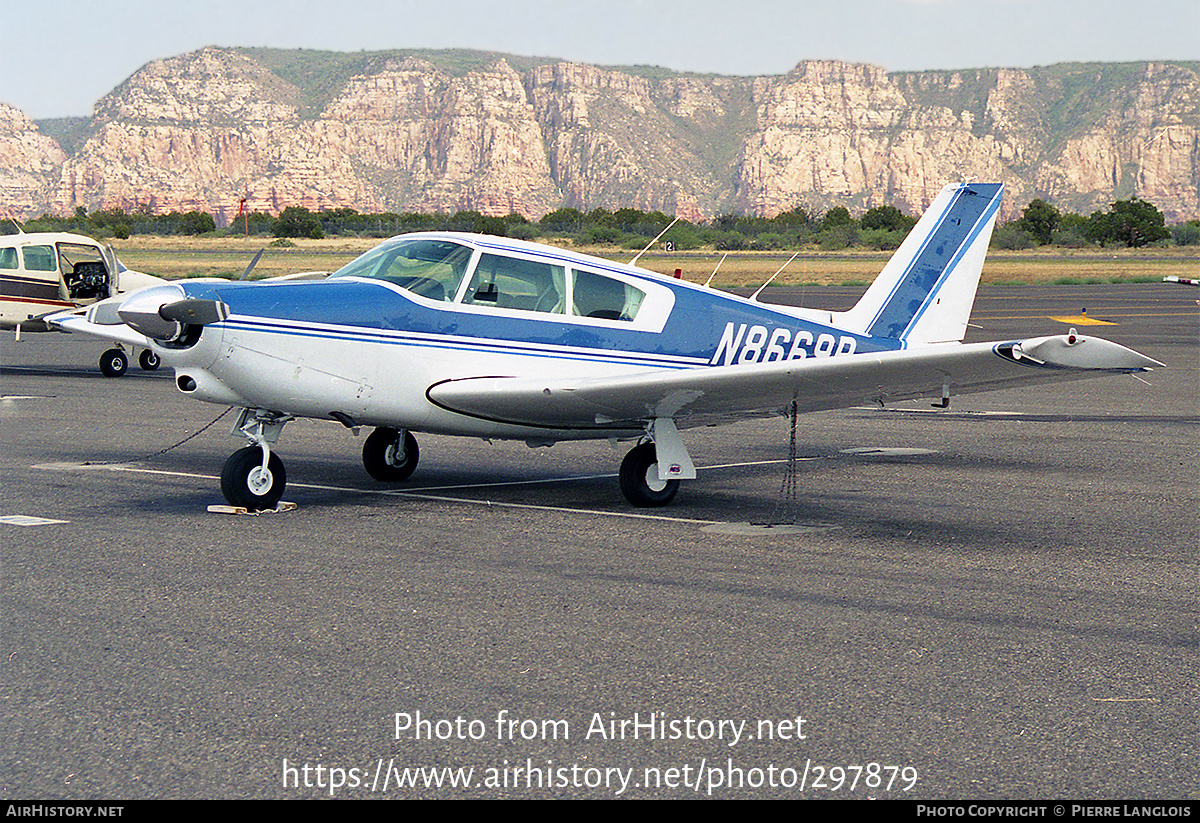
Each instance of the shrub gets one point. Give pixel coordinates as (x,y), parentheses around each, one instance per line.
(1011,238)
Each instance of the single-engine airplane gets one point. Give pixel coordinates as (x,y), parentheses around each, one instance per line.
(495,338)
(42,273)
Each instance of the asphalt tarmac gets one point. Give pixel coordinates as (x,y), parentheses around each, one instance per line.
(997,601)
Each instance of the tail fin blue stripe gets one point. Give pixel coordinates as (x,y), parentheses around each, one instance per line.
(965,217)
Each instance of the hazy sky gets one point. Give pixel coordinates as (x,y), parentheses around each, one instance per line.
(60,56)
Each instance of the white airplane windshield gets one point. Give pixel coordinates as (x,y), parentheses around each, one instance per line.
(430,268)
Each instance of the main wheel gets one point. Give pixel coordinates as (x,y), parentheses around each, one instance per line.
(113,363)
(148,360)
(245,483)
(639,478)
(390,455)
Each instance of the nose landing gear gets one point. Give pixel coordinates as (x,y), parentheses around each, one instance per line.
(248,482)
(253,477)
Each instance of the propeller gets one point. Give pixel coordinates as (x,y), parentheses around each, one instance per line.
(165,313)
(194,312)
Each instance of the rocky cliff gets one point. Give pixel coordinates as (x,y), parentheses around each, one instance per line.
(443,131)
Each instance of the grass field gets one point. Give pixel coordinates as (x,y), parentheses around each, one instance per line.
(175,258)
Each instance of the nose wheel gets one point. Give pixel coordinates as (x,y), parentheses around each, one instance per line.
(248,483)
(253,477)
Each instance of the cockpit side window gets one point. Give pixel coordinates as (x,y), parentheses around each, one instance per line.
(8,259)
(595,295)
(515,283)
(430,268)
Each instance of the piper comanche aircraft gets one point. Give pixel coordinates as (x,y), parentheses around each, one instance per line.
(494,338)
(42,273)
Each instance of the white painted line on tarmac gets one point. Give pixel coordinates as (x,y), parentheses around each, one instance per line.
(28,520)
(423,493)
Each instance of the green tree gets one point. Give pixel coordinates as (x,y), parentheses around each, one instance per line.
(297,221)
(1041,220)
(1187,234)
(836,217)
(792,221)
(600,217)
(196,222)
(1133,222)
(887,218)
(565,220)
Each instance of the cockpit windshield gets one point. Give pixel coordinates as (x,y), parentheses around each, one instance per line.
(430,268)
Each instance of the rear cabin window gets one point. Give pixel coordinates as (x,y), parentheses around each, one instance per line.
(514,283)
(595,295)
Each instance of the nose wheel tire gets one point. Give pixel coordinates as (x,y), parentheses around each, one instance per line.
(390,455)
(113,363)
(639,478)
(245,482)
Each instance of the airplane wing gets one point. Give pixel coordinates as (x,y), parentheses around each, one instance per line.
(813,383)
(99,320)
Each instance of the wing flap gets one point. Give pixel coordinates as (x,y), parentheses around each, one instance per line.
(815,384)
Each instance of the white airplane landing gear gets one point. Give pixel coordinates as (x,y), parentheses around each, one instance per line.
(253,477)
(248,482)
(114,363)
(651,472)
(148,360)
(639,478)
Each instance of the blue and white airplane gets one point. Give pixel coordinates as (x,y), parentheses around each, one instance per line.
(494,338)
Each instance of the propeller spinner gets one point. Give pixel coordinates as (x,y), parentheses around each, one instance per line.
(164,313)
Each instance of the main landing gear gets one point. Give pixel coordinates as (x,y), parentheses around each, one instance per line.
(640,482)
(114,362)
(651,472)
(390,455)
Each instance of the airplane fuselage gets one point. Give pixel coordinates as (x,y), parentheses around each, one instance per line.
(370,350)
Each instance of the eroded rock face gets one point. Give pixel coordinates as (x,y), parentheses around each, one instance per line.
(28,163)
(203,130)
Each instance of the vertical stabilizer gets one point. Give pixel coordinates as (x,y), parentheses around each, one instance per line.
(925,292)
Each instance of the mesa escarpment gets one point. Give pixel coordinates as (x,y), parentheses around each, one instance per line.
(425,132)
